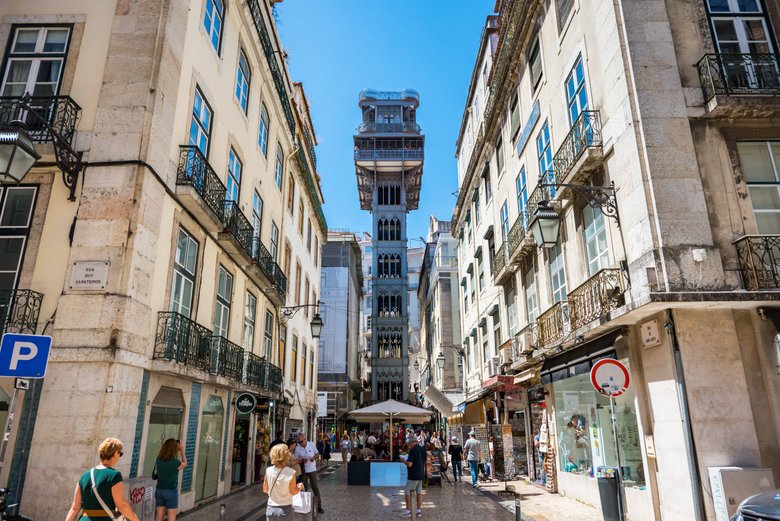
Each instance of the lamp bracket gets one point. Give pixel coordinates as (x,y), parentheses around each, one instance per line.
(599,197)
(287,312)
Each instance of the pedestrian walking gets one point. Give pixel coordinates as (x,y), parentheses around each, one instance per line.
(167,466)
(471,448)
(415,463)
(279,439)
(456,455)
(307,454)
(326,451)
(100,490)
(279,484)
(346,448)
(294,463)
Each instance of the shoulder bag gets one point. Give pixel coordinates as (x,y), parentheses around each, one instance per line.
(108,511)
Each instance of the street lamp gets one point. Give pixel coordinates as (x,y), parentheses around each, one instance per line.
(287,312)
(17,152)
(440,361)
(316,325)
(546,225)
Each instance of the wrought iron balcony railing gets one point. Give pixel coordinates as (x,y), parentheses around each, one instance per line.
(585,133)
(274,381)
(517,233)
(268,266)
(227,358)
(195,171)
(182,340)
(255,370)
(389,155)
(540,193)
(759,261)
(552,324)
(737,74)
(239,227)
(19,311)
(406,126)
(61,112)
(405,94)
(597,296)
(500,259)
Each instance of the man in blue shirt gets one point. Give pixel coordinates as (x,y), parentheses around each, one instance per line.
(415,463)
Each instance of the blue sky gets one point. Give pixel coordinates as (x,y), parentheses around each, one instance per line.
(341,47)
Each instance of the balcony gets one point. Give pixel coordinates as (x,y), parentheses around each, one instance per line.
(274,380)
(553,324)
(19,311)
(580,152)
(227,358)
(513,250)
(255,370)
(389,95)
(759,261)
(499,264)
(199,189)
(237,235)
(723,76)
(182,340)
(596,297)
(61,112)
(267,273)
(389,128)
(389,155)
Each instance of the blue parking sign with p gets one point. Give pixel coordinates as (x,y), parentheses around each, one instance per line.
(24,356)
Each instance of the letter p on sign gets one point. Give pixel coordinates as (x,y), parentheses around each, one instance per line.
(24,356)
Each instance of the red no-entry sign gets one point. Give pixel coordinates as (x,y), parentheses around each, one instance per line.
(609,377)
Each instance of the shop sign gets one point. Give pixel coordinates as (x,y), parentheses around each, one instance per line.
(263,405)
(246,403)
(609,377)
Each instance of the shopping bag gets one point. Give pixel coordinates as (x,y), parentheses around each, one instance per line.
(302,502)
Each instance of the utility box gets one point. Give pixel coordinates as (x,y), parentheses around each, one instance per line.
(140,493)
(732,485)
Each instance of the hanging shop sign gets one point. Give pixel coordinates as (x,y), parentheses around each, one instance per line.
(246,403)
(609,377)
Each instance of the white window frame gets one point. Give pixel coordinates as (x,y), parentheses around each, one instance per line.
(595,231)
(557,273)
(264,128)
(223,302)
(268,335)
(184,275)
(250,314)
(36,58)
(243,81)
(234,170)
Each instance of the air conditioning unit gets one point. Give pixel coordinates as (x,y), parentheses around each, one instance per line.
(506,356)
(524,342)
(494,366)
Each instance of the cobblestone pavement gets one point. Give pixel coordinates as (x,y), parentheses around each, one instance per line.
(539,505)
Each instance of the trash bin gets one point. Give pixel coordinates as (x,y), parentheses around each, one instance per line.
(609,493)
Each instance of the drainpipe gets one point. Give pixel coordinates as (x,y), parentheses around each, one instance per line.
(690,446)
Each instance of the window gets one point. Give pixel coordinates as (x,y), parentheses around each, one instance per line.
(233,177)
(472,286)
(243,78)
(283,349)
(557,274)
(388,195)
(257,214)
(222,307)
(483,331)
(311,368)
(480,272)
(595,240)
(316,251)
(521,185)
(200,127)
(304,350)
(491,253)
(485,78)
(297,283)
(511,316)
(531,304)
(184,269)
(262,133)
(760,162)
(544,151)
(476,207)
(287,256)
(294,361)
(465,287)
(301,216)
(279,172)
(250,308)
(496,330)
(500,156)
(504,214)
(576,93)
(17,210)
(535,61)
(268,334)
(212,22)
(488,184)
(308,235)
(306,287)
(291,196)
(564,10)
(35,61)
(514,116)
(274,240)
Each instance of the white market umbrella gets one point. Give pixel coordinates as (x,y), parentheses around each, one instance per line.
(392,410)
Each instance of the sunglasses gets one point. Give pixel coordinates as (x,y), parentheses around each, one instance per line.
(121,453)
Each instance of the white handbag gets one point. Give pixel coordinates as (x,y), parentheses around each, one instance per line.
(301,502)
(120,517)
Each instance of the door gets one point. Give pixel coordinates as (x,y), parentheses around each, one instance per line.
(209,445)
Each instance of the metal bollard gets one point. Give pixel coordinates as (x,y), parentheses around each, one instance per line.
(413,503)
(518,515)
(222,512)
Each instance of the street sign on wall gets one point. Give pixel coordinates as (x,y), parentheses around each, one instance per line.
(24,356)
(609,377)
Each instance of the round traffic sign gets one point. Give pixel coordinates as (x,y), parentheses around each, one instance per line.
(246,403)
(609,377)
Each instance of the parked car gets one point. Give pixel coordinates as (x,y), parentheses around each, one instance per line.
(761,507)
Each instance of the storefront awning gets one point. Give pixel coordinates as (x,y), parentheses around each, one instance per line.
(528,376)
(440,401)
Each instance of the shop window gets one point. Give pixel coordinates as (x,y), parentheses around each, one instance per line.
(585,436)
(209,448)
(35,60)
(165,421)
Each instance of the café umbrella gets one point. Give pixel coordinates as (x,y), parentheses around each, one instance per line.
(391,410)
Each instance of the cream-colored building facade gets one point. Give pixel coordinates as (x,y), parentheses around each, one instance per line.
(647,126)
(194,139)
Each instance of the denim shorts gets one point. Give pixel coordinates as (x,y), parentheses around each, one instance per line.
(166,498)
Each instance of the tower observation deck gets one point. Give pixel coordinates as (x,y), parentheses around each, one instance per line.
(388,165)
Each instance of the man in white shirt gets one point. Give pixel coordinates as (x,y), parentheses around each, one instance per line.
(308,455)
